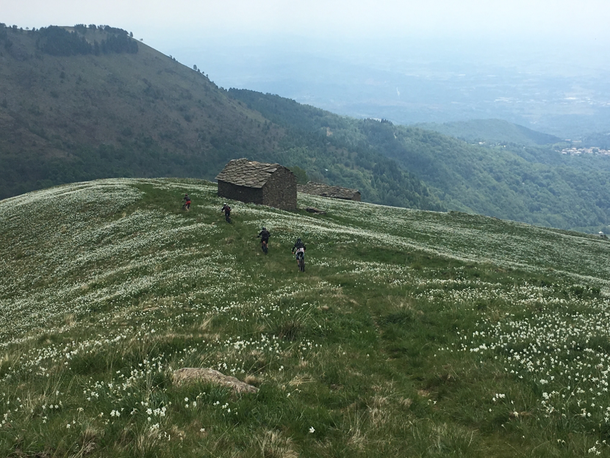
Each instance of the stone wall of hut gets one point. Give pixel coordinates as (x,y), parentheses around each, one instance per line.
(241,193)
(280,191)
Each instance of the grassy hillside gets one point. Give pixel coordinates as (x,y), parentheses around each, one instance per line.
(410,334)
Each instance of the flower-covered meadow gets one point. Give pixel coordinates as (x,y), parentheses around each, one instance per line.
(409,334)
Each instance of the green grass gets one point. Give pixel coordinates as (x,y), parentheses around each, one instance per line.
(410,333)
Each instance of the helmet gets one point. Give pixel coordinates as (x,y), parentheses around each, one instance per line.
(264,228)
(298,240)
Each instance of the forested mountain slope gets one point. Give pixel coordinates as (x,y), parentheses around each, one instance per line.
(491,131)
(91,102)
(537,185)
(70,116)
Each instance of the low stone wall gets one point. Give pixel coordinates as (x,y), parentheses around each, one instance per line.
(334,192)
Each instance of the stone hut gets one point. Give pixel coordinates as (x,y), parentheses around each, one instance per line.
(335,192)
(256,182)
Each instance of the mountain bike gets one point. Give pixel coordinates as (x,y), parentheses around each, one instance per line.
(264,246)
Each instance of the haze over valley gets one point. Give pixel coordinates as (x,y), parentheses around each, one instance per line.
(562,89)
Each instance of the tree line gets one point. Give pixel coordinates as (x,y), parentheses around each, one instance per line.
(58,41)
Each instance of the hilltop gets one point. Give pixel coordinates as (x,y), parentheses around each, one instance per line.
(411,333)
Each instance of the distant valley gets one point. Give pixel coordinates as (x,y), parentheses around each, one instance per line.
(565,93)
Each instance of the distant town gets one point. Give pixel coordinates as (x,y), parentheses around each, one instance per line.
(580,151)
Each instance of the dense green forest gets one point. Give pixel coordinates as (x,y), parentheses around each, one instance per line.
(536,185)
(58,41)
(313,133)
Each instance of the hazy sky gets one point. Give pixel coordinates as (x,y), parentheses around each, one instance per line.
(161,22)
(331,53)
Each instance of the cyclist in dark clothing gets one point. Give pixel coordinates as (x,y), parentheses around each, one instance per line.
(264,236)
(187,202)
(225,208)
(299,250)
(298,244)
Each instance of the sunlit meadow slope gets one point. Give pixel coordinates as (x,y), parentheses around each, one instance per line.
(410,333)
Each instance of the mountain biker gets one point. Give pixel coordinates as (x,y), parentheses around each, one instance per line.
(225,208)
(187,202)
(299,250)
(298,244)
(264,236)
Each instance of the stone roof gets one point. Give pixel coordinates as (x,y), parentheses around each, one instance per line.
(243,172)
(324,190)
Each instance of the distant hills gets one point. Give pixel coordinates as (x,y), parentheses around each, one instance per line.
(89,102)
(598,140)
